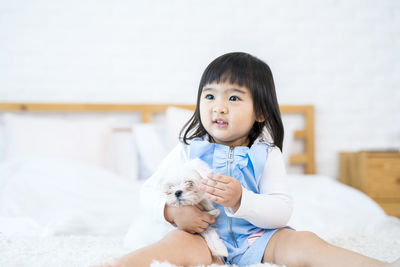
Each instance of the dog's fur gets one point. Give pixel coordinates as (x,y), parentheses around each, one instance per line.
(145,231)
(183,189)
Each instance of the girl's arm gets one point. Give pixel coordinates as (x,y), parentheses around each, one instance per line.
(271,208)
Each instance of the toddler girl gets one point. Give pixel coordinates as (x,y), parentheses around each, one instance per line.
(237,129)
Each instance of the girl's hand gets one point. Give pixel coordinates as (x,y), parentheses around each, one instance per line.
(223,189)
(191,219)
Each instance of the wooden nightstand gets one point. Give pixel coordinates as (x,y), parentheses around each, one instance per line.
(376,173)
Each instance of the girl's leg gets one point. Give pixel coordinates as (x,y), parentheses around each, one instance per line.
(294,248)
(177,247)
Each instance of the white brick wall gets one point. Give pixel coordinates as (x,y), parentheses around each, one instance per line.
(343,56)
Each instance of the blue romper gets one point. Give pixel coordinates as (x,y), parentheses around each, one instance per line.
(246,165)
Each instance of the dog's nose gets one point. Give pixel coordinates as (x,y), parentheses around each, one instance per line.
(178,193)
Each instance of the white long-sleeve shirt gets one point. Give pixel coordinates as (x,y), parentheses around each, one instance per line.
(274,198)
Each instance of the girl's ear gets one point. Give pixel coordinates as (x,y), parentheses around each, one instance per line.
(260,116)
(260,119)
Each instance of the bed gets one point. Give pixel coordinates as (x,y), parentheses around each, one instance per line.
(70,176)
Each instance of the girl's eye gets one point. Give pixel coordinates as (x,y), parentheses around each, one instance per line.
(234,98)
(210,97)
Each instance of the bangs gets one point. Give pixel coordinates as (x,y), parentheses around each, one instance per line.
(235,70)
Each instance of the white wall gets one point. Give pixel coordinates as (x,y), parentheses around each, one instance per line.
(343,56)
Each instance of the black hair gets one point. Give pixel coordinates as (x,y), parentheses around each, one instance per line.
(248,71)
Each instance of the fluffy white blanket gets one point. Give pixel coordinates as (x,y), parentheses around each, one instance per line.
(88,250)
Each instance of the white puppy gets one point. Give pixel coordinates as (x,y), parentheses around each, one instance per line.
(183,189)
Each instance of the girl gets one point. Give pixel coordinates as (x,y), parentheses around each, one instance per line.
(236,102)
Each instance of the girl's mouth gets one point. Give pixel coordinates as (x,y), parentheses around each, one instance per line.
(220,123)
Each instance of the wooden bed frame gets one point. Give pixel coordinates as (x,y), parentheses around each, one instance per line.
(306,159)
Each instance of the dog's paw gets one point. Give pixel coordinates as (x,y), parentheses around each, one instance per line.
(216,245)
(219,249)
(214,212)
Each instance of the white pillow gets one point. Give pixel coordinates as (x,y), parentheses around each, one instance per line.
(84,140)
(151,147)
(123,155)
(176,119)
(154,141)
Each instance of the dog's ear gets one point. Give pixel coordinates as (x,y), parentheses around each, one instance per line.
(201,167)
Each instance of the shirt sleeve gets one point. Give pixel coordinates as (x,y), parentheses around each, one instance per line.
(151,195)
(271,208)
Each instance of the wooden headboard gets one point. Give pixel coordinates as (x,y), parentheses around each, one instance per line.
(306,158)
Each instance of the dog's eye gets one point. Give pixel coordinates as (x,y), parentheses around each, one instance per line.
(168,188)
(189,183)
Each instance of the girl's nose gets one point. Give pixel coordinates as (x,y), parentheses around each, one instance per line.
(220,109)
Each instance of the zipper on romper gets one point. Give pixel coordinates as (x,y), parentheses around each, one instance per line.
(230,159)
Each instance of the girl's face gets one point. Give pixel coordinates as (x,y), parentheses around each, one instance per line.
(227,113)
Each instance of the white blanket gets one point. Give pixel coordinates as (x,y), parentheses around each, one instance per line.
(56,196)
(57,212)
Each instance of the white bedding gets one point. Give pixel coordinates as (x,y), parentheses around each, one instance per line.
(85,250)
(58,212)
(330,209)
(58,196)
